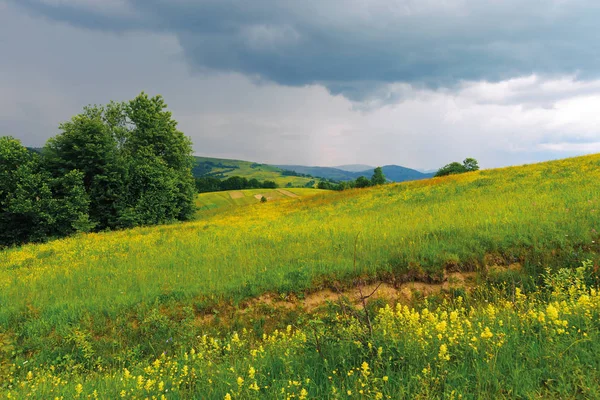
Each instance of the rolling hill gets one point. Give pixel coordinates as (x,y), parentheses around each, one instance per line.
(224,168)
(297,175)
(394,173)
(320,296)
(219,201)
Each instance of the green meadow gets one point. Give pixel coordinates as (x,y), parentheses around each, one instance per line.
(250,170)
(151,312)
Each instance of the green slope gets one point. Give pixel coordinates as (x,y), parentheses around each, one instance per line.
(224,168)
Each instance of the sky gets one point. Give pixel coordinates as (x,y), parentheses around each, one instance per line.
(418,83)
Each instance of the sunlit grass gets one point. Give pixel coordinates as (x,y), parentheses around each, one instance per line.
(115,286)
(542,344)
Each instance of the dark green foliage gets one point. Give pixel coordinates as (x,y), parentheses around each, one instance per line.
(269,185)
(378,177)
(208,184)
(468,165)
(234,183)
(213,184)
(362,182)
(113,166)
(34,205)
(136,164)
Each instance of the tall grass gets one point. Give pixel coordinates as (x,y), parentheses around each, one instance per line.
(538,345)
(538,215)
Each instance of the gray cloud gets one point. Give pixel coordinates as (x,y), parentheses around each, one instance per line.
(352,47)
(50,69)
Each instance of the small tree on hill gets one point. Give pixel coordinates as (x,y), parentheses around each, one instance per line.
(471,164)
(378,177)
(362,182)
(468,165)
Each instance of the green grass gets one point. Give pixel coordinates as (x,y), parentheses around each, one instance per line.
(262,172)
(128,296)
(218,201)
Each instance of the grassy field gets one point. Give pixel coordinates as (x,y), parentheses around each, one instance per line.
(218,201)
(249,170)
(85,308)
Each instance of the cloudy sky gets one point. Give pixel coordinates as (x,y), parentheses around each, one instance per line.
(322,82)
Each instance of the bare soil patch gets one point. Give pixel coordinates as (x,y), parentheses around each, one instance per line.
(236,195)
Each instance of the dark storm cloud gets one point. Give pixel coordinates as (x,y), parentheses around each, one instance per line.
(354,46)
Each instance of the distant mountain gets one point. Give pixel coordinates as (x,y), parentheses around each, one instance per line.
(322,172)
(394,173)
(297,175)
(397,173)
(354,167)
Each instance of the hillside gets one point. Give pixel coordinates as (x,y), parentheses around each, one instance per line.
(132,313)
(224,168)
(218,201)
(394,173)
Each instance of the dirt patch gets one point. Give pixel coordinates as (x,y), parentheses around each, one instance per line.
(287,193)
(275,304)
(258,196)
(236,195)
(404,293)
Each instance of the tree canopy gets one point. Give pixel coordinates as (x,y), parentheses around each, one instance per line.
(468,165)
(113,166)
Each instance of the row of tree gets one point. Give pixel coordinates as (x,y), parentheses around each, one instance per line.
(468,165)
(378,178)
(110,167)
(212,184)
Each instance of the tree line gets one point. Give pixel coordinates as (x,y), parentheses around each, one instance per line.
(111,167)
(207,184)
(378,178)
(468,165)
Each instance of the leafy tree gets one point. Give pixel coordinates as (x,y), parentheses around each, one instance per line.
(362,182)
(468,165)
(269,185)
(154,134)
(451,169)
(254,183)
(34,205)
(89,143)
(208,184)
(378,177)
(471,164)
(234,183)
(136,165)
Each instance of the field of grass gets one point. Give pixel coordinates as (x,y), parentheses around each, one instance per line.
(217,201)
(262,172)
(82,309)
(542,344)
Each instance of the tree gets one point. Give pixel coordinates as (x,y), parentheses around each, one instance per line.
(154,134)
(136,165)
(468,165)
(269,185)
(471,164)
(34,205)
(451,169)
(362,182)
(378,177)
(89,143)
